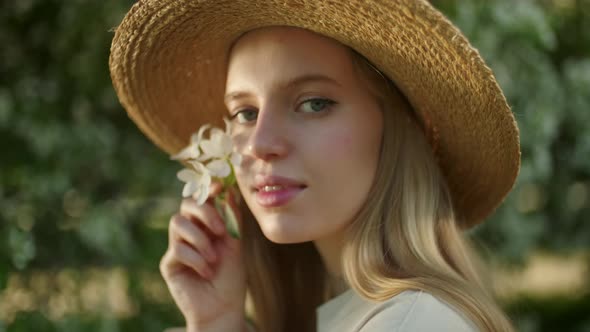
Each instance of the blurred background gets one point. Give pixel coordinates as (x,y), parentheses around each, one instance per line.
(85,199)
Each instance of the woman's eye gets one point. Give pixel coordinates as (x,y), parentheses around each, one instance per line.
(316,105)
(245,116)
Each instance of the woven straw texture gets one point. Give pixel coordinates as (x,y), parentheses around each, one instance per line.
(168,62)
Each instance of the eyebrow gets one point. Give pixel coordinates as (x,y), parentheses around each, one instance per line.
(299,80)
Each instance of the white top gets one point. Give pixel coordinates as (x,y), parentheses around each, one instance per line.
(414,311)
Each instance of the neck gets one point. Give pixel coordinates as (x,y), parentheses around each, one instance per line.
(330,250)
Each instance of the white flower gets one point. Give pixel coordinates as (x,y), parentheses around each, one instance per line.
(197,181)
(219,143)
(218,168)
(219,148)
(212,157)
(217,152)
(192,150)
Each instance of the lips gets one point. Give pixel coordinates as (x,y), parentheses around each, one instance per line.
(272,191)
(261,181)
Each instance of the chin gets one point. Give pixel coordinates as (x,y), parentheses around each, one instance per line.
(275,231)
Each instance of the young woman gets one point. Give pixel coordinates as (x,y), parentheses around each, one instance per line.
(371,136)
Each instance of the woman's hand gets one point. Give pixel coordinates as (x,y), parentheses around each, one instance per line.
(203,267)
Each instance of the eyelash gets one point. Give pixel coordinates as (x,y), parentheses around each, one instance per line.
(234,117)
(329,103)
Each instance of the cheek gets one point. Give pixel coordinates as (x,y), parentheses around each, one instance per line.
(346,148)
(343,169)
(239,140)
(346,161)
(332,145)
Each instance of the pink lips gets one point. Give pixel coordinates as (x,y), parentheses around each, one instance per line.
(274,198)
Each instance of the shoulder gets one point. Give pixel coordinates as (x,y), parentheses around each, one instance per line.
(416,311)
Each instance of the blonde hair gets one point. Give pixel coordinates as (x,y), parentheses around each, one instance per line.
(405,237)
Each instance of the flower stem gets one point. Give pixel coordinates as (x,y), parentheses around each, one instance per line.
(227,214)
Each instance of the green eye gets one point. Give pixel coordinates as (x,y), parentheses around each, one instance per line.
(316,105)
(245,116)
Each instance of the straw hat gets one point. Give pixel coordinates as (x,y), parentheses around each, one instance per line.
(168,62)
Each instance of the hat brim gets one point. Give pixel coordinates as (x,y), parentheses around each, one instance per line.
(168,62)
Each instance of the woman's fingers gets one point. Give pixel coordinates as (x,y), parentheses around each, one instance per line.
(215,188)
(206,214)
(181,253)
(186,230)
(192,234)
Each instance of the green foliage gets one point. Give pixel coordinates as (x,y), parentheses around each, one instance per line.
(550,314)
(540,53)
(77,176)
(81,188)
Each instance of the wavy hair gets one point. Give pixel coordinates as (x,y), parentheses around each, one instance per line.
(405,237)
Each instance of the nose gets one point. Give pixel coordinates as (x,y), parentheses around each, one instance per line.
(269,138)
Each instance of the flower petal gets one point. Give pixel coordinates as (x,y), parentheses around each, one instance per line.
(202,193)
(186,175)
(216,133)
(200,196)
(219,168)
(211,149)
(218,136)
(206,181)
(199,167)
(189,152)
(226,144)
(235,159)
(196,138)
(189,188)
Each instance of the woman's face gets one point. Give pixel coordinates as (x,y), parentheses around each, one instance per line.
(307,128)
